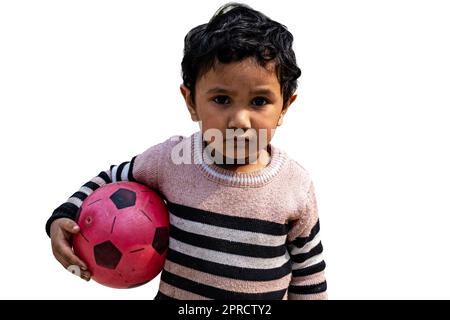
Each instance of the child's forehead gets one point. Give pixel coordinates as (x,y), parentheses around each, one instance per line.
(244,64)
(248,69)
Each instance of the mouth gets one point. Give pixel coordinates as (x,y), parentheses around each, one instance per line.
(237,141)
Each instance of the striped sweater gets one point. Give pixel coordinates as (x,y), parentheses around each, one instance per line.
(232,235)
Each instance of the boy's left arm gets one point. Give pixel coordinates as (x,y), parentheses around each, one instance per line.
(305,248)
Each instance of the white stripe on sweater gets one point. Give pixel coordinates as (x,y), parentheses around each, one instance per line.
(114,173)
(75,201)
(124,175)
(307,247)
(98,180)
(86,190)
(227,234)
(228,258)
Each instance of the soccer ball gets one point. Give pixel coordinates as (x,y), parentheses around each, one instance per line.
(124,234)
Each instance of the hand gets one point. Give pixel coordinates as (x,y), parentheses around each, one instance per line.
(61,231)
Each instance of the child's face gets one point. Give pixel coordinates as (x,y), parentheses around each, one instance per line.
(238,95)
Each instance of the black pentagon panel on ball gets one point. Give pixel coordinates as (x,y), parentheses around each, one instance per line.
(123,198)
(161,239)
(107,255)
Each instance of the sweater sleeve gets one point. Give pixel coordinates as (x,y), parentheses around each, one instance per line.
(143,168)
(305,248)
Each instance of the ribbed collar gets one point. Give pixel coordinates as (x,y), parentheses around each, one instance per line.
(232,178)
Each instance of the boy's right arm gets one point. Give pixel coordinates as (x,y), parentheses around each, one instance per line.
(61,226)
(70,208)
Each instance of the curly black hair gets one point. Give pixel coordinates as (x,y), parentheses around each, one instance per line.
(235,32)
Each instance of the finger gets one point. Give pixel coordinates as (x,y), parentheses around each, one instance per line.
(64,254)
(67,254)
(62,260)
(65,261)
(86,275)
(70,226)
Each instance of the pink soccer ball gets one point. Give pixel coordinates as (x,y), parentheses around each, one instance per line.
(124,234)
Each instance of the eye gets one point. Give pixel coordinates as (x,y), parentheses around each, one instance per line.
(260,101)
(221,100)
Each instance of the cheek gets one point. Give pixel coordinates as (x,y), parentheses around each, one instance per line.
(265,126)
(211,118)
(265,120)
(210,123)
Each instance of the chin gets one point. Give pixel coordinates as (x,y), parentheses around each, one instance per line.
(244,159)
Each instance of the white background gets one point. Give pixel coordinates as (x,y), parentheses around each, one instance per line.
(86,84)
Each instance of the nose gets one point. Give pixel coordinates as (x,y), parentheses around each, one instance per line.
(239,119)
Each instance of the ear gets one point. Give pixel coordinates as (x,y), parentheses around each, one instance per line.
(285,109)
(186,93)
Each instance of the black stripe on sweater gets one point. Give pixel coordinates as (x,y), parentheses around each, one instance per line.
(309,289)
(232,272)
(301,241)
(105,177)
(91,185)
(119,171)
(309,270)
(130,171)
(226,221)
(79,195)
(302,257)
(243,249)
(216,293)
(67,208)
(162,296)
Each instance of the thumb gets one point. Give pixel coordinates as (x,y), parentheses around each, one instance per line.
(70,226)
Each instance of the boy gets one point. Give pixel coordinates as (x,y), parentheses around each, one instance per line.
(243,215)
